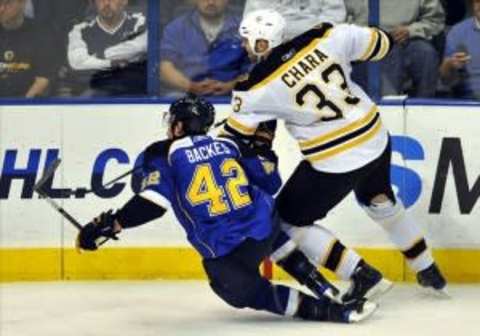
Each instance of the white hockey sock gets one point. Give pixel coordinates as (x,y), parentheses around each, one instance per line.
(324,249)
(404,232)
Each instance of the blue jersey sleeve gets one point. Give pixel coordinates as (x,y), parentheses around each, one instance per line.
(157,181)
(263,172)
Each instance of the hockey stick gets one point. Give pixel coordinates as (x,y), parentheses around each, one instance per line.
(83,191)
(38,188)
(220,123)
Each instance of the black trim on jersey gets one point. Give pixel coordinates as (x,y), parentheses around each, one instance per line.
(390,40)
(236,134)
(155,150)
(416,250)
(344,138)
(378,45)
(138,211)
(281,55)
(335,256)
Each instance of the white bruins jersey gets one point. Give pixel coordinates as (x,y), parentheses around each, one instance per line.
(306,82)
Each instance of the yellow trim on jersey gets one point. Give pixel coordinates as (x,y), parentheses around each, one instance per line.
(371,46)
(282,69)
(385,47)
(239,127)
(223,132)
(339,132)
(346,145)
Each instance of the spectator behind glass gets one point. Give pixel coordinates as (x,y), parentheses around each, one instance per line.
(413,24)
(108,53)
(301,15)
(455,11)
(25,53)
(460,68)
(201,51)
(58,16)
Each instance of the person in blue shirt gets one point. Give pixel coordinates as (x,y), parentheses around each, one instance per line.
(460,68)
(200,51)
(221,193)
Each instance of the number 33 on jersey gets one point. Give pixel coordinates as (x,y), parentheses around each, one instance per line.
(306,82)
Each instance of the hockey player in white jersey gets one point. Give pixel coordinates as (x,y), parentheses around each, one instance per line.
(306,82)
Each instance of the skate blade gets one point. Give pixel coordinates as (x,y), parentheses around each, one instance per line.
(331,295)
(381,288)
(368,309)
(441,294)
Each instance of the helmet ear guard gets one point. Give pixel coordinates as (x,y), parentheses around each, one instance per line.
(263,24)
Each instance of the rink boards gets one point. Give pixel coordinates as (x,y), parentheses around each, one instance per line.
(435,171)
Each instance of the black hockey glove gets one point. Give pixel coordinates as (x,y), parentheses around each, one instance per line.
(96,232)
(263,140)
(265,134)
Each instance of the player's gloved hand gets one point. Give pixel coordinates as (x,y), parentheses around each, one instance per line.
(265,134)
(268,156)
(262,141)
(97,231)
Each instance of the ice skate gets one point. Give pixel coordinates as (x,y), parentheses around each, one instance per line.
(367,283)
(320,286)
(432,279)
(329,311)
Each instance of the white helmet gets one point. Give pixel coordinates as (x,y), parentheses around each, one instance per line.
(263,24)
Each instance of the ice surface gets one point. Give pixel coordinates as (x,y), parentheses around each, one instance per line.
(164,308)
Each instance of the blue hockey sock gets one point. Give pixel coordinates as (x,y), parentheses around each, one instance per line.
(277,299)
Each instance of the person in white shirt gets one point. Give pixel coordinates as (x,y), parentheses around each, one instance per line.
(110,50)
(301,15)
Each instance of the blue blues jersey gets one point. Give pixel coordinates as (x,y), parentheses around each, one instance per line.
(219,195)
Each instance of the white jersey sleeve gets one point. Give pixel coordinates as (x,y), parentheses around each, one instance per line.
(357,43)
(249,109)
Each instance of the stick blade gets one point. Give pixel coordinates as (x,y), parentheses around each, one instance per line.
(48,173)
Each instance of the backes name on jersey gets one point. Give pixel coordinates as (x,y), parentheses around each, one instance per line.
(303,67)
(206,152)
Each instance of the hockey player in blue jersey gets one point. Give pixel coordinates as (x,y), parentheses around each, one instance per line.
(220,192)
